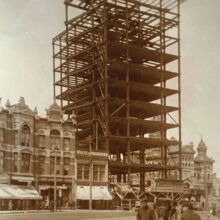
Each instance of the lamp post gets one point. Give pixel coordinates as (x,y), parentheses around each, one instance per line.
(55,179)
(73,118)
(90,173)
(206,187)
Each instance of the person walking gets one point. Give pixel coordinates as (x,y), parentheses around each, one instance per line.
(188,213)
(47,203)
(10,205)
(144,212)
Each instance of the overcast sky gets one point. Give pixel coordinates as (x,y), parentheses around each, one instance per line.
(28,26)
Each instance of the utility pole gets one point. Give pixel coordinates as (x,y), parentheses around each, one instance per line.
(55,182)
(73,117)
(90,173)
(205,186)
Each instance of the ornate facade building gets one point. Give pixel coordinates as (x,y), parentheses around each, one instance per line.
(29,147)
(203,169)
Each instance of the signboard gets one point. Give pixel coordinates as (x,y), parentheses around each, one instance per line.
(169,186)
(93,153)
(23,178)
(4,178)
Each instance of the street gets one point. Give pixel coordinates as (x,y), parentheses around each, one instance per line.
(82,215)
(76,215)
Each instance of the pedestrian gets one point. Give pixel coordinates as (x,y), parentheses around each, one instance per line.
(19,206)
(217,216)
(51,205)
(144,212)
(58,204)
(23,204)
(10,206)
(187,213)
(46,205)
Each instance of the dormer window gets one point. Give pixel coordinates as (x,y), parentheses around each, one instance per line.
(25,136)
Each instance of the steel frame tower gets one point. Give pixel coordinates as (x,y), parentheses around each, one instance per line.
(112,67)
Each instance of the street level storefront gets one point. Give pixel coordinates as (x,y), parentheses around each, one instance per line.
(63,195)
(100,197)
(15,197)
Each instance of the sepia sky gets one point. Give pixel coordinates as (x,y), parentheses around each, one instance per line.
(28,26)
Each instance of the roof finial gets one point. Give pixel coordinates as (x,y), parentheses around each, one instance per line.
(8,104)
(0,103)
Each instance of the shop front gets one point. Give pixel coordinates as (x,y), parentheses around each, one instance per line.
(63,193)
(100,196)
(16,197)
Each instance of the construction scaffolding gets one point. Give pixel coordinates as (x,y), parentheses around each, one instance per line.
(114,67)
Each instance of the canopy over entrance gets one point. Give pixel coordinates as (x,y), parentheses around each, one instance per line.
(18,192)
(98,193)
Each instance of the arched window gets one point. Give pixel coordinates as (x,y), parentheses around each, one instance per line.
(41,141)
(55,139)
(2,161)
(2,135)
(25,136)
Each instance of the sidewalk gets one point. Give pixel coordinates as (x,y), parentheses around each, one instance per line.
(64,210)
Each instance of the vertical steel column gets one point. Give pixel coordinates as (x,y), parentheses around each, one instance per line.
(179,94)
(161,91)
(127,94)
(61,73)
(67,45)
(54,71)
(93,125)
(106,100)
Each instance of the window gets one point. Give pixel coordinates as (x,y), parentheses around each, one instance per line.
(55,139)
(25,136)
(95,173)
(41,164)
(2,135)
(25,163)
(52,165)
(15,162)
(66,161)
(99,173)
(102,173)
(82,171)
(2,161)
(41,142)
(16,138)
(66,144)
(66,167)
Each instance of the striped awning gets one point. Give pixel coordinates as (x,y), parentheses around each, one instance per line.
(98,193)
(18,192)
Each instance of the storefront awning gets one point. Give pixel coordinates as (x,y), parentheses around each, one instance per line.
(18,192)
(98,193)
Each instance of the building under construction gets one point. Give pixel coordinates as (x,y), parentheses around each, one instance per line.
(117,68)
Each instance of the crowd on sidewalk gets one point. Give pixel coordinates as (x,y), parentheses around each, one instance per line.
(180,211)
